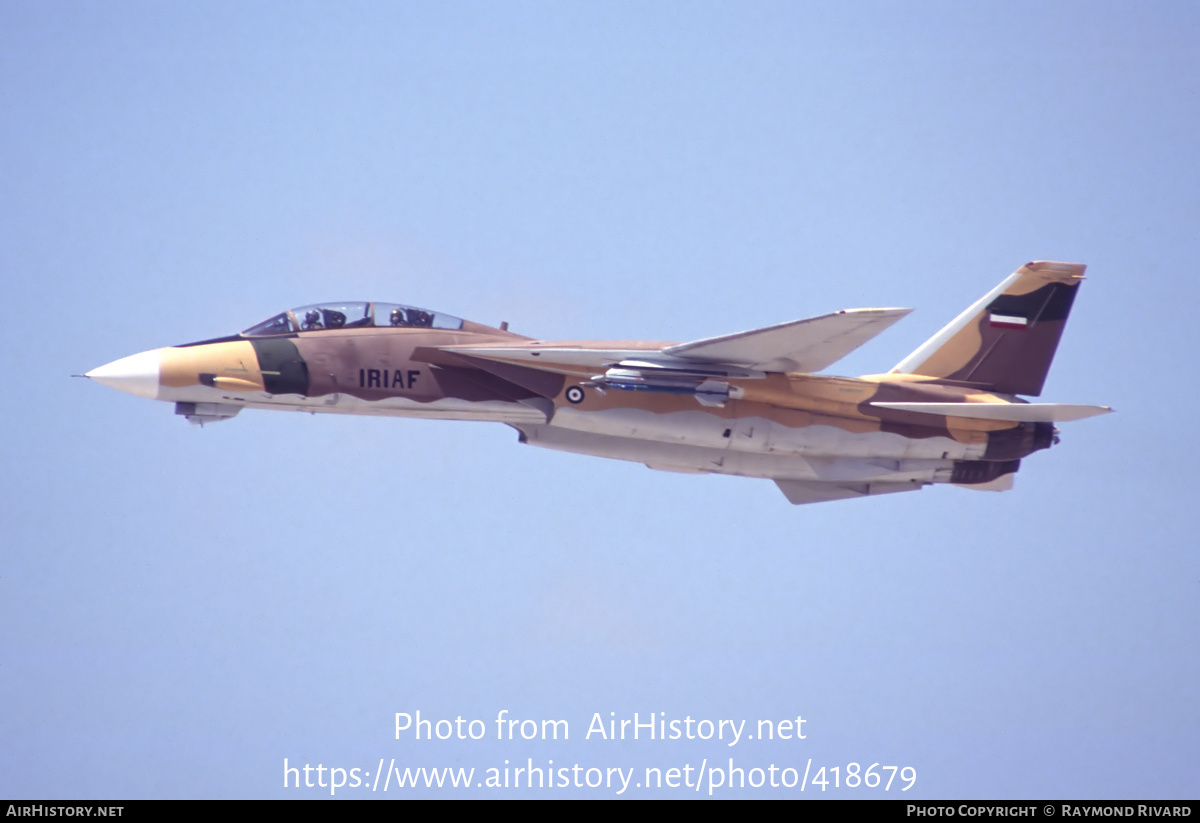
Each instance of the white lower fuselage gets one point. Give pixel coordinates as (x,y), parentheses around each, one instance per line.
(694,441)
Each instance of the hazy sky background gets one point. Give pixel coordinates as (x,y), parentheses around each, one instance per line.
(183,608)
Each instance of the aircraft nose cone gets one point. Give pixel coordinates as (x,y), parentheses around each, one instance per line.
(136,374)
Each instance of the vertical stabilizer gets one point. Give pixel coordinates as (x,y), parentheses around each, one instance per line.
(1004,341)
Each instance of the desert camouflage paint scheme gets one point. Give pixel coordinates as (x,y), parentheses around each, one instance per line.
(746,404)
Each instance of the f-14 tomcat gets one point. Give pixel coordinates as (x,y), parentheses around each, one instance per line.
(748,404)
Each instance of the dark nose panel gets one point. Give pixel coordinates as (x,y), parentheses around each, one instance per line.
(283,369)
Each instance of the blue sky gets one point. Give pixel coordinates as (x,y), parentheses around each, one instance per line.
(183,609)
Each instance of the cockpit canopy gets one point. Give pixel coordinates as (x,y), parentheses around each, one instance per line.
(327,316)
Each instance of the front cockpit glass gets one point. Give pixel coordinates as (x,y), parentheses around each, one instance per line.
(279,324)
(330,316)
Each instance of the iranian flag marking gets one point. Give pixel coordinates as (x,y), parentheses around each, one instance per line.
(1008,321)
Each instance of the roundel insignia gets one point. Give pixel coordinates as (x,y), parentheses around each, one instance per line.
(575,395)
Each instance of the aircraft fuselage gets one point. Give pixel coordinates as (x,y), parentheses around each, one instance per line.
(740,404)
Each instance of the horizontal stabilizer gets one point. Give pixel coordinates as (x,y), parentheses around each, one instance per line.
(812,491)
(1016,412)
(799,346)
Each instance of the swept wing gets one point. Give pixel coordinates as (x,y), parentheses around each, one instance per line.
(808,345)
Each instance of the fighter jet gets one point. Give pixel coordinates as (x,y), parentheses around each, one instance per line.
(750,404)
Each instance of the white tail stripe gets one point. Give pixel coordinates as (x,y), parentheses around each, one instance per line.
(1008,321)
